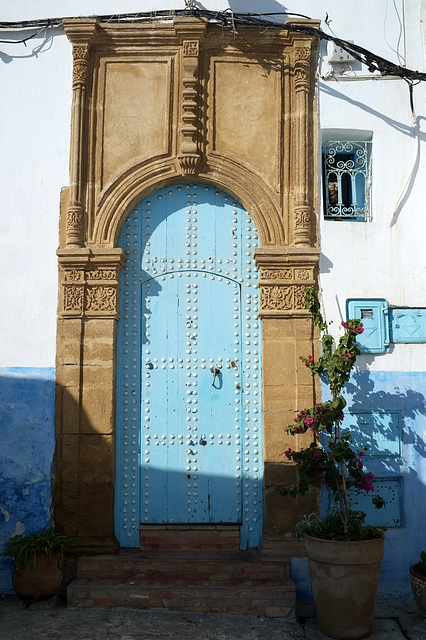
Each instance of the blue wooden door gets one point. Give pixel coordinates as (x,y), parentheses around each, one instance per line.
(187,383)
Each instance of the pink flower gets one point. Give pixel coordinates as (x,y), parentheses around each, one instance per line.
(366,484)
(347,355)
(354,330)
(287,453)
(311,359)
(309,422)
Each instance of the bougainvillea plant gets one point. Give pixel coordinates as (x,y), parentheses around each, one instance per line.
(330,459)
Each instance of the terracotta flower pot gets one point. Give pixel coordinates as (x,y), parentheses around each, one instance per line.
(43,581)
(418,585)
(345,577)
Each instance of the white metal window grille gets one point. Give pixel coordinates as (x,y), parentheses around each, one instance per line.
(346,180)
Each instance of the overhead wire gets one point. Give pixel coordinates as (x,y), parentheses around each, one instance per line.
(227,18)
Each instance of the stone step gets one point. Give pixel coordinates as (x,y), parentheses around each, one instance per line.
(223,582)
(190,537)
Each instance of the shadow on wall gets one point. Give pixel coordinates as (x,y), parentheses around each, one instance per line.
(27,440)
(403,394)
(389,409)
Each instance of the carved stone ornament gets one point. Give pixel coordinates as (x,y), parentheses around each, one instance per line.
(302,54)
(190,48)
(276,274)
(303,274)
(299,298)
(189,163)
(301,68)
(302,223)
(74,275)
(73,298)
(102,274)
(101,299)
(74,216)
(74,225)
(284,276)
(189,157)
(80,71)
(276,297)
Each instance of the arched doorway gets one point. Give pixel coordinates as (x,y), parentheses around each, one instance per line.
(188,399)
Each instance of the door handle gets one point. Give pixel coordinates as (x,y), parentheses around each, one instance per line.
(215,370)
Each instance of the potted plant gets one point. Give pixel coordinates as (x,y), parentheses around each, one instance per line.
(38,559)
(418,582)
(344,554)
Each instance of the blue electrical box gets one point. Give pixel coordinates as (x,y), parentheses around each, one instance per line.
(373,313)
(407,325)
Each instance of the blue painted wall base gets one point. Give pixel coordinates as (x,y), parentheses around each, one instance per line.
(27,440)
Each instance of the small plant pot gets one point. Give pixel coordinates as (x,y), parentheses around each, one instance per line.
(39,578)
(418,585)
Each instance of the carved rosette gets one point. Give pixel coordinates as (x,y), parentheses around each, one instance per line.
(283,279)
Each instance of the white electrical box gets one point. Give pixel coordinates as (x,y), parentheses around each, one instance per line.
(340,56)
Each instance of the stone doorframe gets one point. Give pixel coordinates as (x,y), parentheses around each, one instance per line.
(157,103)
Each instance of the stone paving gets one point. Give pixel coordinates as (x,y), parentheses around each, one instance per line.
(52,620)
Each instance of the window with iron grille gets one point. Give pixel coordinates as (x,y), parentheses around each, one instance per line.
(346,180)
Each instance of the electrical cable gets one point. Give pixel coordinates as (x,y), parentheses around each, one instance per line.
(410,179)
(231,19)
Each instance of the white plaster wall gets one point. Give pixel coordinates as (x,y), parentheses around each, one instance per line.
(384,258)
(35,105)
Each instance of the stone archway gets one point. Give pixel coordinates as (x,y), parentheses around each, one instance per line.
(155,104)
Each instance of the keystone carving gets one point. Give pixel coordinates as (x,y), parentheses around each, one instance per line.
(189,157)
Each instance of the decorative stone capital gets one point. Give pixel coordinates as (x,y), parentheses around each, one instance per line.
(81,34)
(89,283)
(301,70)
(284,275)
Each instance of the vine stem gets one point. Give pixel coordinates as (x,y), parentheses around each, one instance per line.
(343,493)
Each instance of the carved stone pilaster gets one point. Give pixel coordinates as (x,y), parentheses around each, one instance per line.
(303,216)
(81,34)
(284,275)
